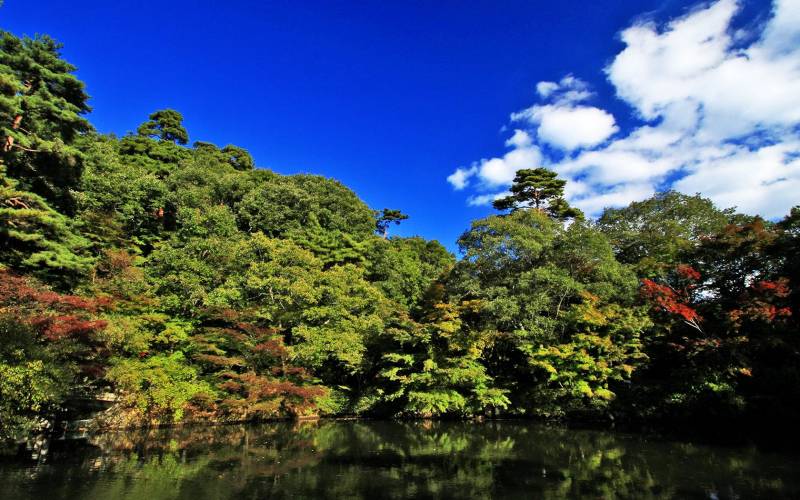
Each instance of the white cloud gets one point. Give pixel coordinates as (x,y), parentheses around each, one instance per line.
(765,180)
(460,178)
(500,171)
(617,196)
(693,61)
(520,139)
(719,117)
(544,89)
(569,127)
(565,123)
(485,199)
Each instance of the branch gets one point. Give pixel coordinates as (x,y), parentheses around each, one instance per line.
(16,202)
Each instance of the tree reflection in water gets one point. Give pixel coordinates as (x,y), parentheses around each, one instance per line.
(421,459)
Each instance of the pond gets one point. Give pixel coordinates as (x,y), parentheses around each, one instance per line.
(377,459)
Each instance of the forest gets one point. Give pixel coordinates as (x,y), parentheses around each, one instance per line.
(194,287)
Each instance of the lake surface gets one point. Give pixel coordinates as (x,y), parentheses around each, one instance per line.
(366,459)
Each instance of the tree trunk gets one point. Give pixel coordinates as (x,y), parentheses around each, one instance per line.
(10,140)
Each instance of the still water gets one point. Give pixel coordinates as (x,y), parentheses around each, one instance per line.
(364,459)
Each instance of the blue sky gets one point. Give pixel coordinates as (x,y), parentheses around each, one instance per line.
(392,98)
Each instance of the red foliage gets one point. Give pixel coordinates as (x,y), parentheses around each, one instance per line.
(63,326)
(52,315)
(778,288)
(687,272)
(253,367)
(667,299)
(763,302)
(272,346)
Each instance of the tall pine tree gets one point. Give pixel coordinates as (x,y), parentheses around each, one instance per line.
(540,189)
(41,108)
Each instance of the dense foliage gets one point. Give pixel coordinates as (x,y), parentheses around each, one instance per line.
(196,287)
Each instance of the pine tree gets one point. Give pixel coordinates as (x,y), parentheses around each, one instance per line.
(41,103)
(166,125)
(38,239)
(385,218)
(540,189)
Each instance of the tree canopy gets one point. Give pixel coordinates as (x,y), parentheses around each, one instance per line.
(200,288)
(539,189)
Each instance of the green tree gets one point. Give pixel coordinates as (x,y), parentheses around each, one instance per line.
(529,273)
(284,204)
(404,268)
(434,368)
(37,239)
(540,189)
(238,157)
(387,217)
(654,234)
(41,108)
(165,125)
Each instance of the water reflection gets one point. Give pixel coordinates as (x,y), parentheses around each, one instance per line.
(361,459)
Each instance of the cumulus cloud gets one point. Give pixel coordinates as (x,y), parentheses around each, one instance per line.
(544,89)
(570,127)
(692,64)
(486,199)
(460,178)
(716,117)
(500,171)
(564,123)
(520,139)
(496,172)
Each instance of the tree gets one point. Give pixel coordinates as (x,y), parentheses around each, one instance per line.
(283,204)
(48,349)
(387,217)
(36,238)
(238,157)
(604,349)
(165,125)
(41,103)
(539,189)
(654,234)
(158,387)
(251,366)
(404,268)
(332,247)
(433,368)
(723,343)
(530,273)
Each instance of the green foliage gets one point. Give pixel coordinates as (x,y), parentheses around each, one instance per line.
(606,348)
(404,268)
(332,247)
(238,157)
(528,273)
(158,386)
(41,103)
(32,381)
(287,203)
(165,125)
(239,293)
(37,239)
(387,217)
(652,235)
(433,369)
(336,327)
(539,189)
